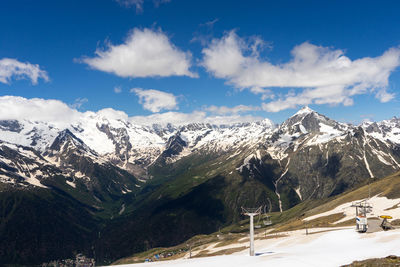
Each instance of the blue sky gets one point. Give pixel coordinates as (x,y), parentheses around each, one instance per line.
(246,59)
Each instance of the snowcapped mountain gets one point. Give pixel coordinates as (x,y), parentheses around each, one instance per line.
(193,177)
(128,146)
(305,139)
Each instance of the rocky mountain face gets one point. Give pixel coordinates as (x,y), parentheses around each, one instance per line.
(146,186)
(321,157)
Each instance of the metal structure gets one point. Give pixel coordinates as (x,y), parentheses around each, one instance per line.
(385,223)
(362,209)
(251,212)
(263,218)
(267,218)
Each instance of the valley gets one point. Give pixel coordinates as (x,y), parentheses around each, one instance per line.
(110,188)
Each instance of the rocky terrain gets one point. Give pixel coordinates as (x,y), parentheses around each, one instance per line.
(144,186)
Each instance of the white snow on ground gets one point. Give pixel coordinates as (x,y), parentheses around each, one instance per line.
(298,193)
(34,181)
(122,209)
(234,154)
(276,185)
(304,110)
(367,166)
(381,159)
(398,165)
(71,184)
(331,248)
(302,129)
(246,163)
(379,206)
(388,130)
(327,133)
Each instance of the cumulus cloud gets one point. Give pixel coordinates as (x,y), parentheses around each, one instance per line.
(55,112)
(62,116)
(111,114)
(223,110)
(145,53)
(37,109)
(12,68)
(320,75)
(155,100)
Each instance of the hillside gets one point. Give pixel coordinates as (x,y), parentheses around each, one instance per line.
(289,228)
(149,186)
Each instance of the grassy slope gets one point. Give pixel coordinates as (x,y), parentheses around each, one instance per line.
(390,261)
(286,221)
(196,199)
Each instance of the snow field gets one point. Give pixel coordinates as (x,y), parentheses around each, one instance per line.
(333,247)
(380,206)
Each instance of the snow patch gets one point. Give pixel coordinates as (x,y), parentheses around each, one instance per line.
(246,163)
(34,181)
(72,184)
(298,193)
(122,209)
(367,166)
(330,247)
(379,204)
(303,129)
(304,110)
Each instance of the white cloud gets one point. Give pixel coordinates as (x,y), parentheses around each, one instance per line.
(111,114)
(12,68)
(37,109)
(323,75)
(79,102)
(222,110)
(155,100)
(265,93)
(145,53)
(117,89)
(62,116)
(55,112)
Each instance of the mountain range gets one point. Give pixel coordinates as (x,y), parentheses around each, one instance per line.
(108,187)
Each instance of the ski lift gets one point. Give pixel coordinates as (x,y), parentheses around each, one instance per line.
(266,218)
(362,209)
(385,223)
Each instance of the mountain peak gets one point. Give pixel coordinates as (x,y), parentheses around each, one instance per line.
(304,110)
(307,120)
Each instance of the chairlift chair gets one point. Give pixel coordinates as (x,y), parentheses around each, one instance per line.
(267,220)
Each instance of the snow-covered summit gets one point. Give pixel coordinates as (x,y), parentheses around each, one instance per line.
(112,136)
(304,110)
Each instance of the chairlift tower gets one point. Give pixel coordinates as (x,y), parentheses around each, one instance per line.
(362,209)
(251,212)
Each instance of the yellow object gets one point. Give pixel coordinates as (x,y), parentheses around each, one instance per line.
(386,217)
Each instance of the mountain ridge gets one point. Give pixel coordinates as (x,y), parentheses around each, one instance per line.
(152,181)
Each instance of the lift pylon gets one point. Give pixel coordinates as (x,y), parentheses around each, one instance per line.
(251,212)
